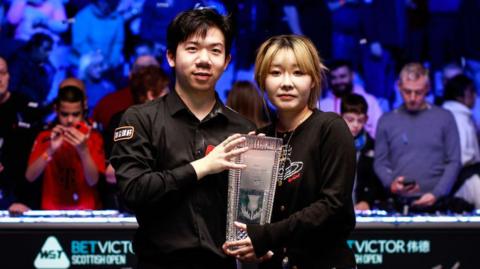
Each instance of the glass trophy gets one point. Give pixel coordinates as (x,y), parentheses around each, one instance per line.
(251,190)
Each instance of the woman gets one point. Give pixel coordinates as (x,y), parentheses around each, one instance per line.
(246,100)
(313,210)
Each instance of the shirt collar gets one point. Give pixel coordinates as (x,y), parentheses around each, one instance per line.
(176,105)
(403,108)
(457,107)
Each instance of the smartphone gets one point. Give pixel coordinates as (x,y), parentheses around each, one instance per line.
(82,127)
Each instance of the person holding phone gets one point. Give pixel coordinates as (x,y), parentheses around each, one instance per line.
(417,148)
(69,157)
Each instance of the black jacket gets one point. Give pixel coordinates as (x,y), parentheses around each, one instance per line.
(313,210)
(368,187)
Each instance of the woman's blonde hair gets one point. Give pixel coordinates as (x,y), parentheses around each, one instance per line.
(306,55)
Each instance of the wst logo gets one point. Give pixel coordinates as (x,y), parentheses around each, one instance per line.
(51,256)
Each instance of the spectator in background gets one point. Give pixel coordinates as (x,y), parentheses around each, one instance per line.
(47,17)
(37,16)
(69,157)
(146,84)
(98,28)
(122,99)
(246,100)
(460,95)
(18,127)
(448,72)
(341,83)
(31,71)
(75,82)
(91,71)
(417,152)
(368,191)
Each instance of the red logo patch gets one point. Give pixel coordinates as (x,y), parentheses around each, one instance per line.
(209,149)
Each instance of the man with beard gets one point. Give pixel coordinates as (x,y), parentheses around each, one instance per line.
(341,84)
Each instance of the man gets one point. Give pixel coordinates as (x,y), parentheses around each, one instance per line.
(341,84)
(70,157)
(168,154)
(18,125)
(417,150)
(120,100)
(368,191)
(31,71)
(460,95)
(98,28)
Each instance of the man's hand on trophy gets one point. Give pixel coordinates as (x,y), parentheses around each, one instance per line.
(221,157)
(243,249)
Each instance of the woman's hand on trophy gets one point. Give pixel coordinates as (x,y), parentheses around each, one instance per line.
(243,249)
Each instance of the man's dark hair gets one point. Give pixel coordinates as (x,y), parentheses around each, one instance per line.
(37,40)
(70,94)
(335,64)
(457,86)
(149,78)
(198,21)
(353,103)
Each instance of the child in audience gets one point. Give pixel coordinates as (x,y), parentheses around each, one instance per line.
(368,189)
(69,157)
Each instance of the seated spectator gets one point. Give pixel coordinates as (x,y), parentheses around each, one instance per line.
(31,71)
(37,16)
(42,16)
(19,122)
(448,72)
(118,101)
(417,152)
(368,191)
(246,100)
(341,83)
(99,28)
(69,157)
(91,71)
(460,98)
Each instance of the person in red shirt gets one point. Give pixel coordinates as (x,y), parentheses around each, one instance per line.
(69,157)
(120,100)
